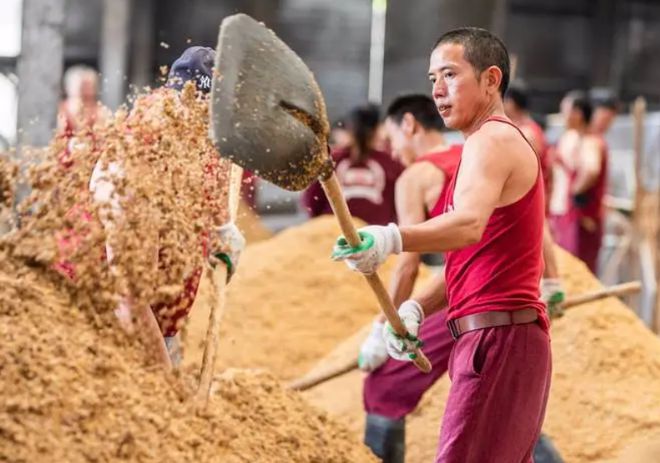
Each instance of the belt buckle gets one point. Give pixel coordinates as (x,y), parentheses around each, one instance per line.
(453,330)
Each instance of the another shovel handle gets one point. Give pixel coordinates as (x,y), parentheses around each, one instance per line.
(621,289)
(340,208)
(219,278)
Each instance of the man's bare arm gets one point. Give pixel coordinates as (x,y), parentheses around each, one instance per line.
(482,176)
(410,207)
(590,165)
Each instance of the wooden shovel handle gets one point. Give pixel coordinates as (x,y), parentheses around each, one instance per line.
(616,290)
(340,208)
(309,381)
(219,280)
(218,277)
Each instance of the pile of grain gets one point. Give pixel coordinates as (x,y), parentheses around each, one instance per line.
(251,225)
(66,365)
(89,387)
(605,392)
(289,303)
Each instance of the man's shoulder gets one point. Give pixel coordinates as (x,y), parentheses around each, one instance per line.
(420,174)
(491,137)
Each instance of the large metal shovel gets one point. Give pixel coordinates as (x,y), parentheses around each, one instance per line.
(268,116)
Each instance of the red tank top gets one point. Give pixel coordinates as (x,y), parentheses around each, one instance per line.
(594,203)
(503,270)
(544,155)
(447,161)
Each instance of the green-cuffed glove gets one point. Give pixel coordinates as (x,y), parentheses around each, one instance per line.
(552,293)
(401,348)
(233,243)
(378,242)
(373,352)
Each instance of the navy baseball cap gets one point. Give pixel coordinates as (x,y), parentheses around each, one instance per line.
(196,63)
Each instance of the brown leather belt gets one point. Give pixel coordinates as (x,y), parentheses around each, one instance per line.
(490,319)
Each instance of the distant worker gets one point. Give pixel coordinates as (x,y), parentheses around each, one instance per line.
(516,107)
(580,182)
(81,108)
(367,176)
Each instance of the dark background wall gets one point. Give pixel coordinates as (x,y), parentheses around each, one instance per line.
(559,44)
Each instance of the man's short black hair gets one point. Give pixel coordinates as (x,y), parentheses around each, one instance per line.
(517,92)
(580,101)
(420,106)
(482,49)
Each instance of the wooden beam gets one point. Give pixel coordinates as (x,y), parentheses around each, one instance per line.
(114,51)
(40,70)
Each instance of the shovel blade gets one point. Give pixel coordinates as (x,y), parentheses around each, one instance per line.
(267,111)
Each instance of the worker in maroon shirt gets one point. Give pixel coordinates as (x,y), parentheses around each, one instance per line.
(492,233)
(367,176)
(393,389)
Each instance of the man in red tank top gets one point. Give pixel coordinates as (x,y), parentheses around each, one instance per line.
(393,389)
(492,232)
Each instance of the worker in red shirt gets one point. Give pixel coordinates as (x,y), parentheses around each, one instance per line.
(393,389)
(576,206)
(516,107)
(367,176)
(492,233)
(159,323)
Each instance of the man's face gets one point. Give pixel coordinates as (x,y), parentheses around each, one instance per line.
(88,88)
(458,92)
(400,142)
(602,119)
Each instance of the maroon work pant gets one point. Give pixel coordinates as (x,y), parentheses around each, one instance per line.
(395,389)
(500,381)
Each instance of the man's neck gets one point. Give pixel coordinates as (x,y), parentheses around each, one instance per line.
(430,142)
(493,108)
(517,117)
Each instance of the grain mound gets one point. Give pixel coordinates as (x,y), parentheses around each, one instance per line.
(289,303)
(69,369)
(605,392)
(89,387)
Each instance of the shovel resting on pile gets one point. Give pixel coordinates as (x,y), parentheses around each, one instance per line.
(269,116)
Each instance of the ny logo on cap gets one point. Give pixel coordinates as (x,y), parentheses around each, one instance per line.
(205,82)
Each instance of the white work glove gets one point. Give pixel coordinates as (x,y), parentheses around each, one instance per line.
(399,348)
(552,293)
(378,242)
(233,243)
(373,352)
